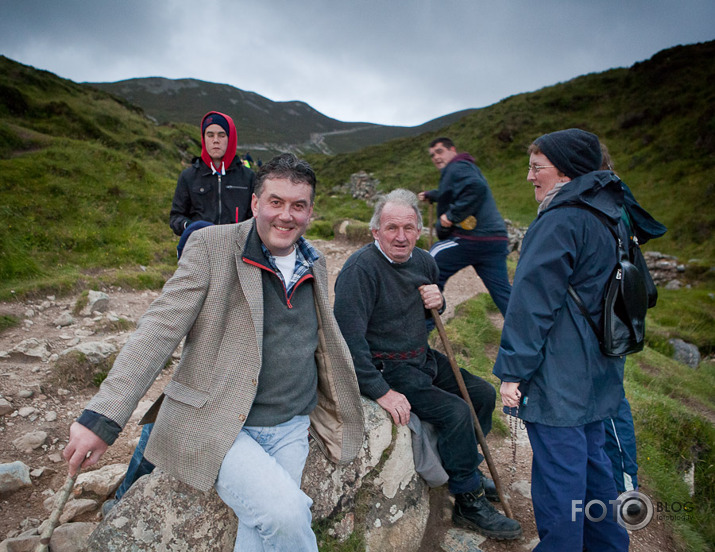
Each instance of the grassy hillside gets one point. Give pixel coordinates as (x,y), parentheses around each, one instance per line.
(657,118)
(85,183)
(86,178)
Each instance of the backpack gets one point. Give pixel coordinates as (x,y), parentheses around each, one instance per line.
(630,292)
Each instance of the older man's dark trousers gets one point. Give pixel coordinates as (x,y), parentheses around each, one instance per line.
(434,395)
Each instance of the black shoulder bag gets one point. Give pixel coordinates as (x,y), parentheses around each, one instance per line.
(625,304)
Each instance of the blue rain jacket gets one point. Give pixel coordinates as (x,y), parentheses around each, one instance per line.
(546,343)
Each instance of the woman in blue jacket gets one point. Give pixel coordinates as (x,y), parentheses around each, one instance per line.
(554,376)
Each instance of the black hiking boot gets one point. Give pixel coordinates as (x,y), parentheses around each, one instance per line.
(473,511)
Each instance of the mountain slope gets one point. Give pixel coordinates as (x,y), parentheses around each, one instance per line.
(86,180)
(657,119)
(264,127)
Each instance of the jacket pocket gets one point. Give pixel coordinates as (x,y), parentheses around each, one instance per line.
(185,394)
(201,188)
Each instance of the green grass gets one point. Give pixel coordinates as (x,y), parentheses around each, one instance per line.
(685,313)
(671,440)
(329,543)
(7,321)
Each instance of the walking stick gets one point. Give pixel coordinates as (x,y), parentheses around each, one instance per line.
(60,502)
(468,400)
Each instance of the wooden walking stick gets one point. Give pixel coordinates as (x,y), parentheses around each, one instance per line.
(468,400)
(60,502)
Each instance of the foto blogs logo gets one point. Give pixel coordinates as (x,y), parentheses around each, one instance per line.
(633,510)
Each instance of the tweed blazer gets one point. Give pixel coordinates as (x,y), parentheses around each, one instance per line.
(215,299)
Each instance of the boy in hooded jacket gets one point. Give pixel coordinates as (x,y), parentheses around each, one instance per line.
(217,187)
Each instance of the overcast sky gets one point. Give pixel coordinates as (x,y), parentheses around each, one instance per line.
(399,62)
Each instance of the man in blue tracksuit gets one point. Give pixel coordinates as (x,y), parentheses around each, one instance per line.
(554,375)
(470,228)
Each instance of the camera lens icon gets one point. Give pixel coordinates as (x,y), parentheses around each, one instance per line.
(634,510)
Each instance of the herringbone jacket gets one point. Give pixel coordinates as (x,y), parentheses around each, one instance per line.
(216,301)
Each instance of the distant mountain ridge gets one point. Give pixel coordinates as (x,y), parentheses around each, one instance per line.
(263,125)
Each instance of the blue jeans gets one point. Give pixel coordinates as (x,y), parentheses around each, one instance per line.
(259,480)
(138,465)
(434,396)
(569,464)
(488,257)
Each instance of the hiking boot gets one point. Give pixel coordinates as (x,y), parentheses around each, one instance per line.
(473,511)
(490,489)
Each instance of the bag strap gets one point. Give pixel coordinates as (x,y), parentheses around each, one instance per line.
(622,255)
(579,303)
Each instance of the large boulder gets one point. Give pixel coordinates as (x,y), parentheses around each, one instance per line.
(161,513)
(687,353)
(396,499)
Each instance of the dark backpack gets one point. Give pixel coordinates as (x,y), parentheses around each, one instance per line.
(630,292)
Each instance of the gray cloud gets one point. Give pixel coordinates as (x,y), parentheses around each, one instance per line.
(394,62)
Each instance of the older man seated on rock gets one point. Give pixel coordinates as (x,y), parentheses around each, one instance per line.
(382,296)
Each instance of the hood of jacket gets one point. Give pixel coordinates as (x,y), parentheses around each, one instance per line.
(643,225)
(600,190)
(232,142)
(463,157)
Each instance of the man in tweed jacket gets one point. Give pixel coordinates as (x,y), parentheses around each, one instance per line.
(263,358)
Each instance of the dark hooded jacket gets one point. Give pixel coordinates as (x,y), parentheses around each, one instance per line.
(463,191)
(546,343)
(203,193)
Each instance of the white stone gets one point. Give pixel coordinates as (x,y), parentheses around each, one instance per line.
(26,411)
(101,482)
(96,301)
(64,319)
(95,351)
(33,348)
(30,441)
(77,507)
(5,407)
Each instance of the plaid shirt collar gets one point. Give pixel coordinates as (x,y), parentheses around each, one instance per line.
(305,256)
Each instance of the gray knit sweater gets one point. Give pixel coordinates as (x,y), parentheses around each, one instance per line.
(381,314)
